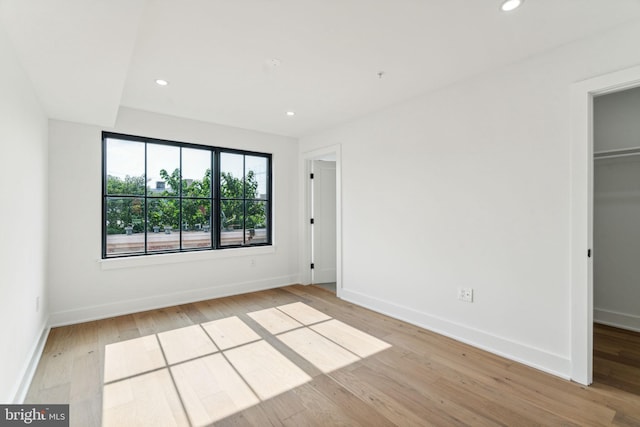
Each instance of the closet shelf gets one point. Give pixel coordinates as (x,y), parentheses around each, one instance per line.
(610,154)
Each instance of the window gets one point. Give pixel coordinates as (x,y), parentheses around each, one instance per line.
(165,196)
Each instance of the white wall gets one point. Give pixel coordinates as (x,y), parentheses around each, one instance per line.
(617,211)
(470,186)
(83,287)
(23,195)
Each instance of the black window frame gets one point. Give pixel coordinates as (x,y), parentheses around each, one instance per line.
(214,197)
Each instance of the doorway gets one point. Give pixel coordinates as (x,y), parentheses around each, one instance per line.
(322,218)
(616,239)
(582,165)
(323,222)
(616,209)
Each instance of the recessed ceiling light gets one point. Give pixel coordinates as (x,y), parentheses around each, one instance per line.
(291,113)
(161,82)
(273,62)
(270,66)
(509,5)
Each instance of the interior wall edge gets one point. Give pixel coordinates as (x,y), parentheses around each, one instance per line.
(619,320)
(30,366)
(533,357)
(119,308)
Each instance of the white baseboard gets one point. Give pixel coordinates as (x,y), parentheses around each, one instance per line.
(618,320)
(522,353)
(119,308)
(30,366)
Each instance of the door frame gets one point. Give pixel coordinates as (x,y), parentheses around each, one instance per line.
(582,94)
(305,212)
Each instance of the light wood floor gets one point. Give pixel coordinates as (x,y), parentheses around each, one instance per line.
(331,286)
(616,358)
(299,356)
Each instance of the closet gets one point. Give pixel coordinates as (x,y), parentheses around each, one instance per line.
(616,213)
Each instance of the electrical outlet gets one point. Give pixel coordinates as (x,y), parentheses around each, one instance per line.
(465,294)
(253,262)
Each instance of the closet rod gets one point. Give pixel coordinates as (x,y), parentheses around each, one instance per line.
(610,154)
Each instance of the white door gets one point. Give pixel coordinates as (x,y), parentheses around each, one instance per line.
(324,221)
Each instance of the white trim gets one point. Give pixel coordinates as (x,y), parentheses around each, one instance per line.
(30,366)
(619,320)
(311,213)
(582,213)
(119,308)
(174,258)
(305,230)
(530,356)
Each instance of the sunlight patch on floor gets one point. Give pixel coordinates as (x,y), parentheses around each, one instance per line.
(211,389)
(352,339)
(274,320)
(266,370)
(145,400)
(201,374)
(303,313)
(132,357)
(186,343)
(230,332)
(324,354)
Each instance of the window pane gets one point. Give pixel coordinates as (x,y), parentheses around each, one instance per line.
(256,177)
(256,223)
(154,219)
(231,173)
(163,170)
(124,225)
(163,234)
(196,223)
(196,173)
(125,167)
(196,213)
(231,221)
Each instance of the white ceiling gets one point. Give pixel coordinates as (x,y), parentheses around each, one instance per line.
(86,58)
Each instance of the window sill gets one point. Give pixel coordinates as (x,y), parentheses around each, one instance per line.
(182,257)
